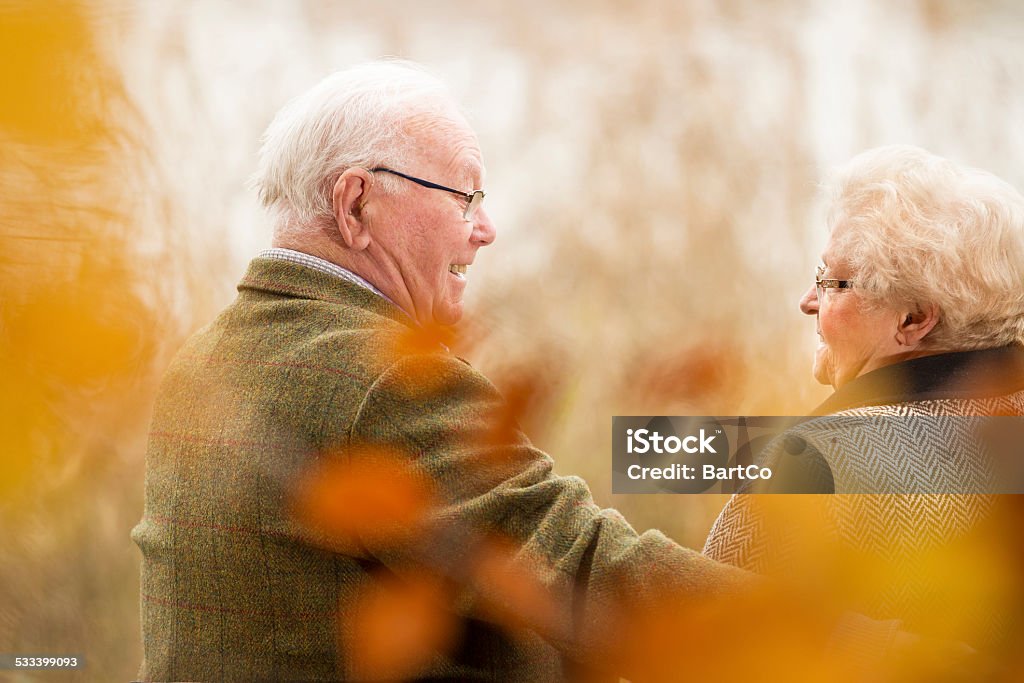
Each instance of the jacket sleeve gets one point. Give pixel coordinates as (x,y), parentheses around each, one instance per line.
(451,423)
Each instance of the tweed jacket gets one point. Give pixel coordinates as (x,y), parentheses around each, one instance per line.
(909,435)
(302,368)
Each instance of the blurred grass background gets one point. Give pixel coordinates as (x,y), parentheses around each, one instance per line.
(651,169)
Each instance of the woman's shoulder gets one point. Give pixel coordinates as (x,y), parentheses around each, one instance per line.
(1009,404)
(919,447)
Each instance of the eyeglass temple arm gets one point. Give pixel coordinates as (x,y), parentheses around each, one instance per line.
(424,183)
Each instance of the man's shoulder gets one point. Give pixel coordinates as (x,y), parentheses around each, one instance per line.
(336,338)
(297,332)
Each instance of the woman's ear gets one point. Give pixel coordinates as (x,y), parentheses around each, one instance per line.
(914,326)
(349,198)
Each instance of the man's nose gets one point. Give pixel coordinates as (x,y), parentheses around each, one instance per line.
(484,231)
(809,301)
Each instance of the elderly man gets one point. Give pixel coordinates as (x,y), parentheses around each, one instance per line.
(374,178)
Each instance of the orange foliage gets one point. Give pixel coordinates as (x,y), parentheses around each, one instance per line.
(693,374)
(757,635)
(529,392)
(419,339)
(363,497)
(40,44)
(395,627)
(513,596)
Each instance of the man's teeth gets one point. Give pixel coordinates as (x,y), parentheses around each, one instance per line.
(458,269)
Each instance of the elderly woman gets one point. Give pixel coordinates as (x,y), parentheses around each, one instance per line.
(919,307)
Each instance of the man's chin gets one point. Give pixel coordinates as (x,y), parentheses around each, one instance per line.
(447,315)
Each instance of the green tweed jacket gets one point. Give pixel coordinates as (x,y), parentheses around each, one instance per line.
(305,366)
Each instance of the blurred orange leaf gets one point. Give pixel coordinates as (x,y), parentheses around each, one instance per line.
(690,374)
(512,593)
(528,392)
(396,627)
(44,51)
(425,339)
(365,496)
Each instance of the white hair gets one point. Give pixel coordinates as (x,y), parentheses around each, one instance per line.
(355,117)
(922,230)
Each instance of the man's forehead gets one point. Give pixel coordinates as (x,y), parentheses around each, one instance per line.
(461,156)
(449,139)
(471,163)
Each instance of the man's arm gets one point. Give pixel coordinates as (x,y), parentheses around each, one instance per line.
(620,598)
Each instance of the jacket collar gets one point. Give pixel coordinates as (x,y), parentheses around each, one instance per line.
(291,279)
(966,374)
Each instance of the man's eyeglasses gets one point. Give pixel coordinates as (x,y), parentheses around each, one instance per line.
(473,199)
(821,284)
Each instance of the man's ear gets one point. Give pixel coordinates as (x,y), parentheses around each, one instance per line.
(349,198)
(914,326)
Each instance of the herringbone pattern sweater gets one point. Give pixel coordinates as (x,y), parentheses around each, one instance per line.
(908,469)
